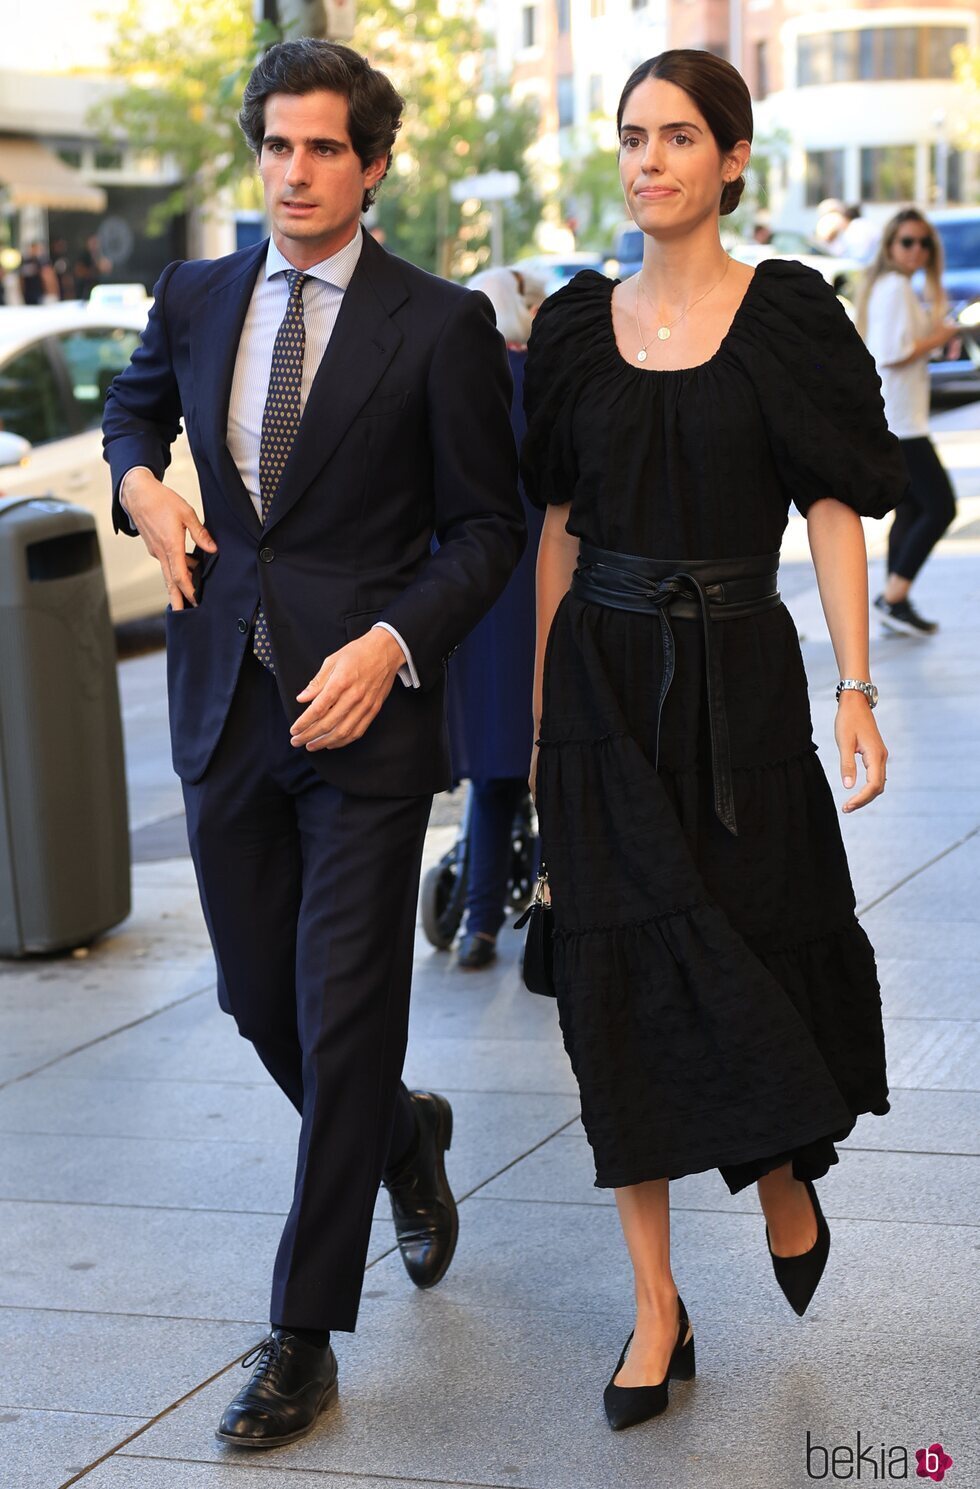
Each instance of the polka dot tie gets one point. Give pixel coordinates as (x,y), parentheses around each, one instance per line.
(280,422)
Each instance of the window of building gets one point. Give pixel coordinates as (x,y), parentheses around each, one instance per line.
(877,54)
(566,100)
(71,155)
(888,173)
(639,4)
(529,26)
(563,10)
(814,61)
(595,93)
(824,175)
(762,69)
(108,160)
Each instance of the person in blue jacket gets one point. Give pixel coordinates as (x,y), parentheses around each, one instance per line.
(491,674)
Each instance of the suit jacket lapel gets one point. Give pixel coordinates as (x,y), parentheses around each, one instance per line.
(362,344)
(215,336)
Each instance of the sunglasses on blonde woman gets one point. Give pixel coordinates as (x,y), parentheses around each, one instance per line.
(915,243)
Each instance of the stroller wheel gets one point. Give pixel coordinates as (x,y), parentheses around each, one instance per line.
(442,905)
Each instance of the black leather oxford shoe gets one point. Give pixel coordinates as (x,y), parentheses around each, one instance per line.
(422,1204)
(291,1384)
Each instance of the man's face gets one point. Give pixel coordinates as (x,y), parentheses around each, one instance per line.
(313,179)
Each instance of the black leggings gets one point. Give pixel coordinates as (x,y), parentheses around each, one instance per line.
(924,513)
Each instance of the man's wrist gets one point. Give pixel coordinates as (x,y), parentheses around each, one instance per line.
(133,470)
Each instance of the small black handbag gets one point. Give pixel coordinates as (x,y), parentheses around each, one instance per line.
(537,964)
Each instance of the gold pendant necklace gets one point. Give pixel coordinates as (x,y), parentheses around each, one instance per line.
(663,332)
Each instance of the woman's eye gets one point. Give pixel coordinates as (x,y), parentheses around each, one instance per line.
(630,141)
(684,139)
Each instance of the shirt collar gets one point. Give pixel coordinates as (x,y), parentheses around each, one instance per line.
(337,270)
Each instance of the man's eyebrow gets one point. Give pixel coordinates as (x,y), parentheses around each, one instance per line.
(280,139)
(678,124)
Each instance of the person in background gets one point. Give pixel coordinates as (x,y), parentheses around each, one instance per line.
(762,233)
(901,333)
(91,267)
(858,239)
(61,265)
(491,673)
(32,267)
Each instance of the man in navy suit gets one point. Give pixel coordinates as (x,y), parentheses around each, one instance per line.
(342,408)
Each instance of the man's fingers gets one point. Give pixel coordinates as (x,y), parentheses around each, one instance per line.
(199,532)
(174,595)
(180,575)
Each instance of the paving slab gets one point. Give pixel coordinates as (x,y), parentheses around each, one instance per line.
(122,1472)
(43,1449)
(933,1054)
(99,1363)
(943,988)
(187,1264)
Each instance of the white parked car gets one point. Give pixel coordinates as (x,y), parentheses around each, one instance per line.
(56,364)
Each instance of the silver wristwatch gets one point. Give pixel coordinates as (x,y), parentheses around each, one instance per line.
(867,688)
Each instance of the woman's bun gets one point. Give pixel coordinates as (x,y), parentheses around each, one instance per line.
(732,195)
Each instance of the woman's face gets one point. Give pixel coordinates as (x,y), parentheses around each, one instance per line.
(911,247)
(672,170)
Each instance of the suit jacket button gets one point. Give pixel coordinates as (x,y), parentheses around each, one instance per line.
(242,625)
(266,555)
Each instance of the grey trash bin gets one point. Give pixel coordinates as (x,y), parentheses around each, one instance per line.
(64,837)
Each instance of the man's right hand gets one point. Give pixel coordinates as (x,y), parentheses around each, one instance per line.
(163,520)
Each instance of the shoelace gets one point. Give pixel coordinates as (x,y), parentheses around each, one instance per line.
(268,1353)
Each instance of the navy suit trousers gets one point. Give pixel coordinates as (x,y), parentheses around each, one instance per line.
(310,898)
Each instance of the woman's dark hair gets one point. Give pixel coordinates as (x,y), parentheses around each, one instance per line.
(308,65)
(719,92)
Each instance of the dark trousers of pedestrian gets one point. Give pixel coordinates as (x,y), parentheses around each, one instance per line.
(492,808)
(924,513)
(310,897)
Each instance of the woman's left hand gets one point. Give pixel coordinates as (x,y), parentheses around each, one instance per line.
(857,734)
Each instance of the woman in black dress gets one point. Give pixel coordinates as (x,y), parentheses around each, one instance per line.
(718,999)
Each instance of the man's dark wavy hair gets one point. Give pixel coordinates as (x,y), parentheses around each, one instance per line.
(374,109)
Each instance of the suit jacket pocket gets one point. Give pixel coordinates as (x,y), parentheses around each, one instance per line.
(384,403)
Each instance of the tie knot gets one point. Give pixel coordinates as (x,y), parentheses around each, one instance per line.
(296,280)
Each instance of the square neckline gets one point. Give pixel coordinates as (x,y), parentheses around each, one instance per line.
(696,366)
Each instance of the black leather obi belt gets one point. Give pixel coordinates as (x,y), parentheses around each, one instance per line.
(708,590)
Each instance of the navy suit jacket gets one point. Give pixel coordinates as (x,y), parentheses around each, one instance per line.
(405,434)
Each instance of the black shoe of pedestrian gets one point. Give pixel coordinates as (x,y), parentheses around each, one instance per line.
(291,1384)
(798,1276)
(476,952)
(904,618)
(422,1204)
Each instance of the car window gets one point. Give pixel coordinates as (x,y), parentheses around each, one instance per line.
(31,404)
(94,357)
(961,242)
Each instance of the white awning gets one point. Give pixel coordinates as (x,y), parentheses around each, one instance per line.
(31,176)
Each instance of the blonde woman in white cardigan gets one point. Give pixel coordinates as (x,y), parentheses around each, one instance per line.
(902,331)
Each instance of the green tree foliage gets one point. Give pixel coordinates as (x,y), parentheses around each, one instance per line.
(181,86)
(966,72)
(456,124)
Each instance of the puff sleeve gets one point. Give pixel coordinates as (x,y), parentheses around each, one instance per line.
(820,395)
(548,464)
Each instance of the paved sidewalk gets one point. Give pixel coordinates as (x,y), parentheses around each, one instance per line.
(146,1166)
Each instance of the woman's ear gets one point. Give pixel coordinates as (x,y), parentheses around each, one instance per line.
(736,160)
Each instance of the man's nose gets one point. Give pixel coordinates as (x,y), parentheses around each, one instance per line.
(298,173)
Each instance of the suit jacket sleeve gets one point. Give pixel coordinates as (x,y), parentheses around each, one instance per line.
(479,519)
(142,408)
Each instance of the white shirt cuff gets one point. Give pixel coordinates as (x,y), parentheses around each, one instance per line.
(408,674)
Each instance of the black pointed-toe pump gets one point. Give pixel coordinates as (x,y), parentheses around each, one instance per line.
(798,1276)
(628,1405)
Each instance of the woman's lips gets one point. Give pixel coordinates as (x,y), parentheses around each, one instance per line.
(657,193)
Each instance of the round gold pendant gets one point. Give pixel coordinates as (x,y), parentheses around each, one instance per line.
(641,355)
(664,333)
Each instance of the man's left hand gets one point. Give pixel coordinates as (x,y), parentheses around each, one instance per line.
(347,693)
